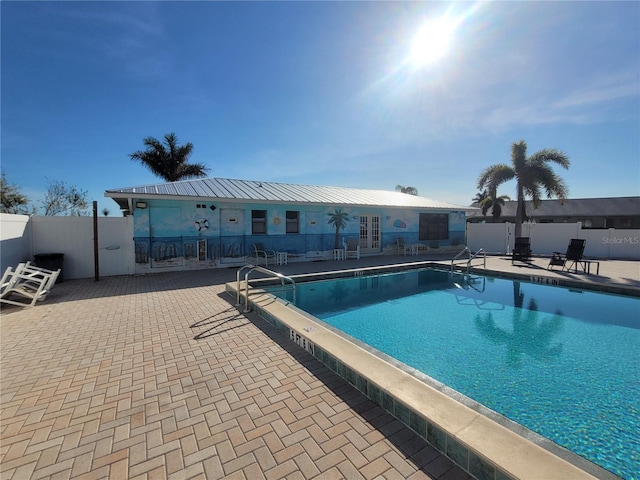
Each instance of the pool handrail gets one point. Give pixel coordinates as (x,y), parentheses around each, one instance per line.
(248,265)
(459,254)
(471,257)
(484,255)
(253,268)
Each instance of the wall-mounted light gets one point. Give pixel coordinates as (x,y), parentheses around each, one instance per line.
(355,217)
(388,217)
(141,205)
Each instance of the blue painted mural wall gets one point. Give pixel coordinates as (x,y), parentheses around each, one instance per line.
(196,234)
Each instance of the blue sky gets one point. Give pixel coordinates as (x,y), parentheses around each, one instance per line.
(320,93)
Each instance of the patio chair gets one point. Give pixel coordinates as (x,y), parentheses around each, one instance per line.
(261,252)
(521,250)
(30,283)
(402,246)
(572,257)
(352,250)
(9,278)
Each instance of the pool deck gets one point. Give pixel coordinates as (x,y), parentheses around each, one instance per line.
(161,376)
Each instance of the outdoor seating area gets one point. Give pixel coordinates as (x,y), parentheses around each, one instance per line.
(409,249)
(27,284)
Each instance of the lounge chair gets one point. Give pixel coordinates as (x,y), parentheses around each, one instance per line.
(572,257)
(261,252)
(352,250)
(521,250)
(29,283)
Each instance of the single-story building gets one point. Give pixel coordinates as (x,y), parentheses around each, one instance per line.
(216,221)
(615,212)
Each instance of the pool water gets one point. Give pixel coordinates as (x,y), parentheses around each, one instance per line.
(561,362)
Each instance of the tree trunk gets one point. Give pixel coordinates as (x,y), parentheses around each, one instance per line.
(519,210)
(518,297)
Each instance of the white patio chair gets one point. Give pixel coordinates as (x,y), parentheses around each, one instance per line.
(31,284)
(261,252)
(352,250)
(9,278)
(402,246)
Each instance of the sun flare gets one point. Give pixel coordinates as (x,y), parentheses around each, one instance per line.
(432,41)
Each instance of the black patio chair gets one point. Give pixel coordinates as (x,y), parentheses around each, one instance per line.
(571,258)
(521,250)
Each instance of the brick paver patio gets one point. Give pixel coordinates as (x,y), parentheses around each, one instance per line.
(160,376)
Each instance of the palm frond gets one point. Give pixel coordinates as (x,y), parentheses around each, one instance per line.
(551,155)
(518,154)
(169,160)
(495,175)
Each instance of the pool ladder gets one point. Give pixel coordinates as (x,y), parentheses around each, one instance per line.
(471,255)
(467,280)
(253,268)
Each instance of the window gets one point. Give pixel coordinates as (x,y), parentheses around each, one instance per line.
(258,221)
(434,226)
(625,222)
(293,221)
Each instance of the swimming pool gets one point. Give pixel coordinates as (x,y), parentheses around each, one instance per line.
(563,363)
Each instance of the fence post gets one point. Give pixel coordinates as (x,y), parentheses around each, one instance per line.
(96,259)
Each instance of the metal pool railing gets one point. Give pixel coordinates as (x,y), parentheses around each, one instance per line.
(471,257)
(266,271)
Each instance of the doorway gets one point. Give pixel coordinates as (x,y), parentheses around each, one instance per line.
(370,234)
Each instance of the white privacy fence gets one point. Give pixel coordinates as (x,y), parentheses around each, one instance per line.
(22,237)
(547,238)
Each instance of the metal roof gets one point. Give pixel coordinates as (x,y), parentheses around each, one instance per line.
(274,192)
(577,207)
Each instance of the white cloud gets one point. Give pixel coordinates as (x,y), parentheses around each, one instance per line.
(602,89)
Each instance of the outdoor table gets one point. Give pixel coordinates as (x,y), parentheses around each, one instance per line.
(282,258)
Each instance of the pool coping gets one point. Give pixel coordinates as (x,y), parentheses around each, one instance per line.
(484,443)
(612,288)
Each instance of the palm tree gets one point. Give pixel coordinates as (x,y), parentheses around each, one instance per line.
(497,205)
(339,220)
(486,201)
(409,190)
(480,196)
(483,200)
(168,160)
(532,174)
